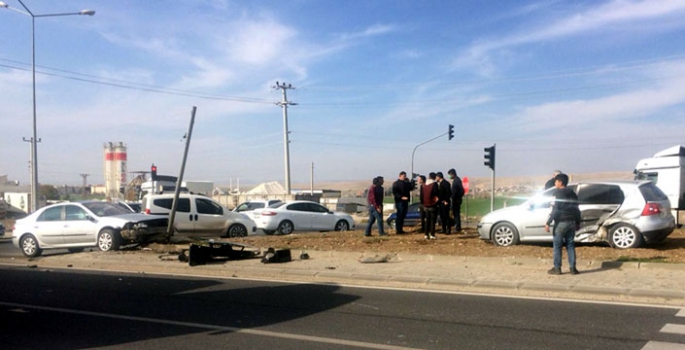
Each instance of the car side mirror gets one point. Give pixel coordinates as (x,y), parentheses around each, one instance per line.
(90,218)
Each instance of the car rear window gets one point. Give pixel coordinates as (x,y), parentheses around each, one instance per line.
(277,205)
(652,193)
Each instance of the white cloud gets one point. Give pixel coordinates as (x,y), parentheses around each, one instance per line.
(482,53)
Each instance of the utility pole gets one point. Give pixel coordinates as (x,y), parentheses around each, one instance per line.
(34,184)
(286,142)
(311,184)
(85,182)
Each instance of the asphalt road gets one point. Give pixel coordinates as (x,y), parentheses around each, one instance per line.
(64,309)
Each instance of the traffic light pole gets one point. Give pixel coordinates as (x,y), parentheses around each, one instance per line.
(490,163)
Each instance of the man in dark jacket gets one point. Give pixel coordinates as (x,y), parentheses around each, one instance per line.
(566,217)
(429,199)
(401,189)
(374,199)
(457,196)
(445,197)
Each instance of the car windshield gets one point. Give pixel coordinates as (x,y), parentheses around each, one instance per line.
(105,208)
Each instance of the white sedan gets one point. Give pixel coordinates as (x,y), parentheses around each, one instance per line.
(285,217)
(77,225)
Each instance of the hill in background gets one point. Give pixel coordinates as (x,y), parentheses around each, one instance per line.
(353,188)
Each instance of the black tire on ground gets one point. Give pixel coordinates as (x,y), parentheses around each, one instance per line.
(625,236)
(29,246)
(237,230)
(285,228)
(108,240)
(504,234)
(342,225)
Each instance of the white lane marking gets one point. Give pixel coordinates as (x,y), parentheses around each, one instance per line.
(658,345)
(673,328)
(217,328)
(681,313)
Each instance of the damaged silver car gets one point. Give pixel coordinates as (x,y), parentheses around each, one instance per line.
(625,214)
(77,225)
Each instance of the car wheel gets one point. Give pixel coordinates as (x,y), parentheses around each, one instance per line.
(29,246)
(342,225)
(505,234)
(108,240)
(392,223)
(624,236)
(285,228)
(237,230)
(75,250)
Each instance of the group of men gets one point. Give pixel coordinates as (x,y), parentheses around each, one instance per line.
(437,199)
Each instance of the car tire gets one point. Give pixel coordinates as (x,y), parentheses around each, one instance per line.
(29,246)
(285,228)
(504,234)
(392,223)
(342,225)
(625,236)
(237,230)
(108,240)
(75,249)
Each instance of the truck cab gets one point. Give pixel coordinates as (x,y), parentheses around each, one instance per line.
(666,169)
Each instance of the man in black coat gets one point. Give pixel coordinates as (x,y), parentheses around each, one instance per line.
(457,196)
(401,190)
(444,198)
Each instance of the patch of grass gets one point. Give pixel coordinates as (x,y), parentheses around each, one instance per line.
(656,259)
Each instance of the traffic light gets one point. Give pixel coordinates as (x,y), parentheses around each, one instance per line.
(153,172)
(450,132)
(490,157)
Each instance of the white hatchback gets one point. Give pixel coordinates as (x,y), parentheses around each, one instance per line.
(285,217)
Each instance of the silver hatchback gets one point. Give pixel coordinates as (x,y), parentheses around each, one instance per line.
(625,214)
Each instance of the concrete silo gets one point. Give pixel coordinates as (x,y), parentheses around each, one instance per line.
(115,157)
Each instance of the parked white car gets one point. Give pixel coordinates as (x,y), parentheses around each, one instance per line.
(199,215)
(76,225)
(285,217)
(247,208)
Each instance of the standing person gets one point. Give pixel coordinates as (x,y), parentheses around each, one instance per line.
(457,196)
(445,196)
(401,190)
(429,200)
(421,181)
(566,217)
(374,199)
(550,183)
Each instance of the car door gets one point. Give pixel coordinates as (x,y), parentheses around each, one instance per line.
(49,225)
(209,217)
(77,227)
(596,202)
(300,215)
(535,214)
(183,220)
(322,218)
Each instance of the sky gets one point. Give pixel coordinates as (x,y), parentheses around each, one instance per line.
(579,86)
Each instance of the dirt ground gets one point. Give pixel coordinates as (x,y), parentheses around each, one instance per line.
(467,244)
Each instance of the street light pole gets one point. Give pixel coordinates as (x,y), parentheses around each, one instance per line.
(34,139)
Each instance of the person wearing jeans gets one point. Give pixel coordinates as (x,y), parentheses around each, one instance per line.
(374,199)
(566,217)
